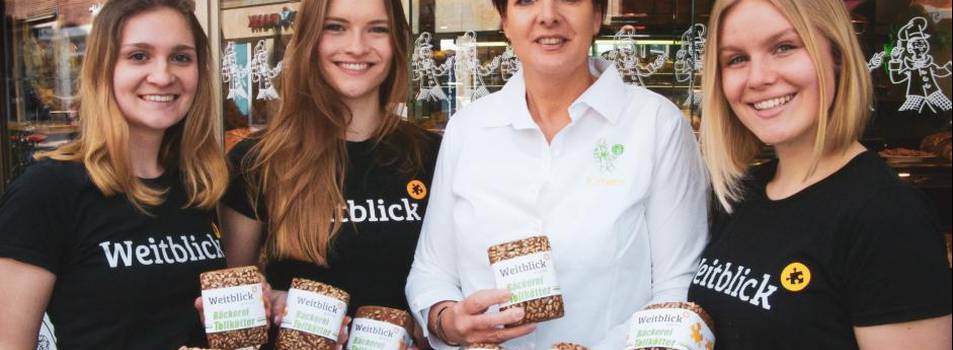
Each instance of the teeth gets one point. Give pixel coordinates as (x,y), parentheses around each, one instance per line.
(159,98)
(550,41)
(772,103)
(354,66)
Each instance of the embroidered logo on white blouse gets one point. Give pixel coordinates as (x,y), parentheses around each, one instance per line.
(606,156)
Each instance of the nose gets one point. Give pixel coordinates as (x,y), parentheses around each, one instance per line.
(548,12)
(161,74)
(357,44)
(761,73)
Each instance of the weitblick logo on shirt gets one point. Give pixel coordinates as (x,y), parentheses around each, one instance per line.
(166,250)
(734,281)
(372,210)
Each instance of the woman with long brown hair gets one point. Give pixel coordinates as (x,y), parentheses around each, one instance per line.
(335,188)
(109,233)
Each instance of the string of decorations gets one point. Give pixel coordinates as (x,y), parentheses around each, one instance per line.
(908,62)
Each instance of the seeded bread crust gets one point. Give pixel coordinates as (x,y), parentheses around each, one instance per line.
(536,310)
(292,339)
(684,306)
(234,277)
(395,317)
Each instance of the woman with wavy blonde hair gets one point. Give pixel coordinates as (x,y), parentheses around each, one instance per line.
(109,233)
(335,187)
(824,243)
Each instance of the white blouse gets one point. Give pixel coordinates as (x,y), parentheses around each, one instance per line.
(620,192)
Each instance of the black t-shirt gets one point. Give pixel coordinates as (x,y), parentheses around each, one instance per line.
(370,256)
(124,279)
(858,248)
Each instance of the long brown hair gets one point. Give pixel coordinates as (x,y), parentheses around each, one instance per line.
(193,145)
(298,166)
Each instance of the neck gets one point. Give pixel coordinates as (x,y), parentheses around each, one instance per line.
(549,96)
(144,153)
(794,168)
(366,115)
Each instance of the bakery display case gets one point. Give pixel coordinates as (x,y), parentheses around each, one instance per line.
(460,53)
(44,44)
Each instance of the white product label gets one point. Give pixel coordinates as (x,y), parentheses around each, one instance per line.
(314,313)
(368,334)
(527,277)
(669,328)
(233,308)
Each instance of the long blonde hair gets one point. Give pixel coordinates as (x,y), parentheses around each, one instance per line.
(729,147)
(193,145)
(298,165)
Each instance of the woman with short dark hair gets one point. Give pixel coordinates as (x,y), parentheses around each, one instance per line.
(609,173)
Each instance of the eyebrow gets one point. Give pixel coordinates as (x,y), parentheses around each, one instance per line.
(772,38)
(147,46)
(338,19)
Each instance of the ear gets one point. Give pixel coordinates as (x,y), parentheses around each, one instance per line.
(503,28)
(596,20)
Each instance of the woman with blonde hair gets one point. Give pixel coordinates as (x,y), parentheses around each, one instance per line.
(109,233)
(823,248)
(335,188)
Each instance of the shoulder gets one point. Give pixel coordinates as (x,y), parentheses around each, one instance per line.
(238,153)
(48,181)
(867,178)
(646,103)
(877,199)
(474,115)
(53,174)
(244,146)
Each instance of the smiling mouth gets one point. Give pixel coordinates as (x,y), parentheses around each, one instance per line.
(354,67)
(772,103)
(551,41)
(159,98)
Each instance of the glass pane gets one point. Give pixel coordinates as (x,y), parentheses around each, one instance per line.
(460,54)
(47,41)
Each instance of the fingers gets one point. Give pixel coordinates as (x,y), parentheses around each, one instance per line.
(500,335)
(279,302)
(199,307)
(479,302)
(491,321)
(485,322)
(342,333)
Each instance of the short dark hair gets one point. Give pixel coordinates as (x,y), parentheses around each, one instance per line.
(602,5)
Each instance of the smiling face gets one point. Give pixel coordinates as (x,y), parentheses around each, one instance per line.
(355,49)
(551,36)
(156,72)
(767,75)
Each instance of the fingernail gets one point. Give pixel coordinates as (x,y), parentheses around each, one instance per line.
(519,313)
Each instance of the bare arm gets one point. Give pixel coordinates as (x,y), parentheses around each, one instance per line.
(242,237)
(928,334)
(23,298)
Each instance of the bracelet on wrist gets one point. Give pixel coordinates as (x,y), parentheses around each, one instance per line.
(438,328)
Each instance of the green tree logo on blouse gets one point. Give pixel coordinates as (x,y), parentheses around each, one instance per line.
(606,156)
